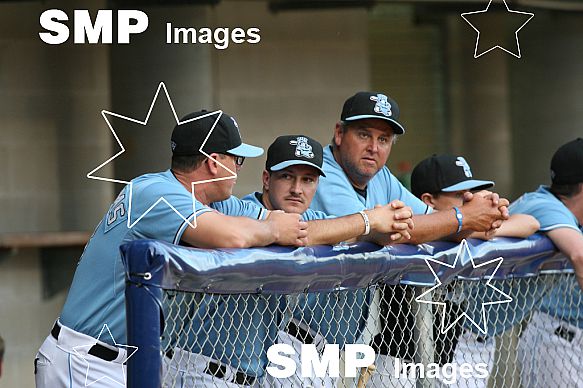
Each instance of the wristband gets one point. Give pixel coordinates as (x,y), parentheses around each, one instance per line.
(366,223)
(459,217)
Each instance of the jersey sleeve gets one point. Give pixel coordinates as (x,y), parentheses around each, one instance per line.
(550,213)
(160,213)
(234,206)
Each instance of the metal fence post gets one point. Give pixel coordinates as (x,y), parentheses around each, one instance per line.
(424,332)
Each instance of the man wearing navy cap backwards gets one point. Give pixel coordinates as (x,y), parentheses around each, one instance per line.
(551,347)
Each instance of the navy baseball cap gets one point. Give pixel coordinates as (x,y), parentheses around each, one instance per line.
(445,173)
(567,163)
(188,137)
(372,105)
(292,150)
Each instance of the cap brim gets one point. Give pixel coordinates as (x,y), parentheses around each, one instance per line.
(246,150)
(397,127)
(471,184)
(287,163)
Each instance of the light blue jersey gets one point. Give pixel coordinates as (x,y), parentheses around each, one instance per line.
(240,341)
(97,294)
(552,214)
(308,215)
(314,305)
(236,330)
(234,206)
(337,196)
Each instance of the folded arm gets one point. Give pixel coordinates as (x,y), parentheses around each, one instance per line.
(518,225)
(386,223)
(482,212)
(570,242)
(216,230)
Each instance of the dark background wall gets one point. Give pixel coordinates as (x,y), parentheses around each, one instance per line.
(505,115)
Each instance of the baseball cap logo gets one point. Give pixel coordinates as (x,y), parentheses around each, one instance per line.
(460,161)
(382,106)
(236,125)
(303,148)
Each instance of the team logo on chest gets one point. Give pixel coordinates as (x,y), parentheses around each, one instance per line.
(302,147)
(382,105)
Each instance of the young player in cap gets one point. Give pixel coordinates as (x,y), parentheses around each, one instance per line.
(551,347)
(441,182)
(290,180)
(96,297)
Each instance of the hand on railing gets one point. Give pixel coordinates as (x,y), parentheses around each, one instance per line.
(393,219)
(288,228)
(484,211)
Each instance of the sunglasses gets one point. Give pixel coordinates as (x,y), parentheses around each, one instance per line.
(239,160)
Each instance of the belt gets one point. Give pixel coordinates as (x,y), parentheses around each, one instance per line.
(300,333)
(96,350)
(220,371)
(565,333)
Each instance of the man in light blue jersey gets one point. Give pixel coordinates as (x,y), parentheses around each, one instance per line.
(96,297)
(357,178)
(551,347)
(290,180)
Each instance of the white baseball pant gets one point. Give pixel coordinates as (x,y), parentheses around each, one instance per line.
(551,353)
(191,370)
(297,380)
(384,375)
(66,362)
(470,350)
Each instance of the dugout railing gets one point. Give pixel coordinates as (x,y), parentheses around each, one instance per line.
(432,306)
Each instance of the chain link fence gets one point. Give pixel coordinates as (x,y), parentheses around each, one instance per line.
(422,336)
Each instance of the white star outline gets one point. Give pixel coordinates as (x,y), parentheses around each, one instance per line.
(476,55)
(91,174)
(464,246)
(123,383)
